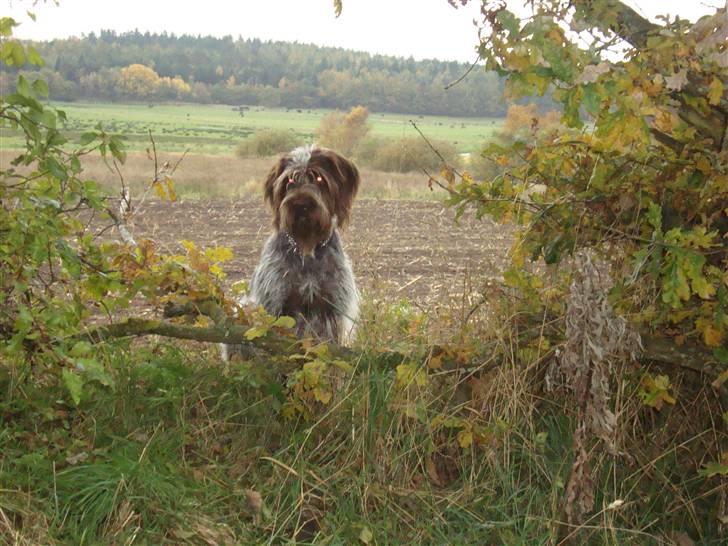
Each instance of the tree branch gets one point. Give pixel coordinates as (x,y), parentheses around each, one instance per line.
(621,19)
(233,334)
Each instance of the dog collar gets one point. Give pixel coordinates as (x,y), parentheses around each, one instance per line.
(294,245)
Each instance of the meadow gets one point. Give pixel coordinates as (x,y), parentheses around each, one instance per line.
(217,129)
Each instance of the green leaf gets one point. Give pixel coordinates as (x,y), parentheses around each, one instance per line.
(74,385)
(721,354)
(23,87)
(255,332)
(40,87)
(675,288)
(285,322)
(508,20)
(366,536)
(116,147)
(654,216)
(6,26)
(34,57)
(81,348)
(88,138)
(93,370)
(714,469)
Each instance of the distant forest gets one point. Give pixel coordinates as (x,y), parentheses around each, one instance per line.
(158,67)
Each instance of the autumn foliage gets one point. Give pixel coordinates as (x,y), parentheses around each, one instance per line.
(633,178)
(342,131)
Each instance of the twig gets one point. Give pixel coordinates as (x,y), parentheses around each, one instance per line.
(437,152)
(465,75)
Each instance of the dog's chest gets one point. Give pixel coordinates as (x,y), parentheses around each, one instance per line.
(310,282)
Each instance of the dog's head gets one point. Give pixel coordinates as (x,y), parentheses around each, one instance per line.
(310,191)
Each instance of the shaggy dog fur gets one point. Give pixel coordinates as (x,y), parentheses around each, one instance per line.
(303,270)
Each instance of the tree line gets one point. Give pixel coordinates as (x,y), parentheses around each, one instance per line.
(142,66)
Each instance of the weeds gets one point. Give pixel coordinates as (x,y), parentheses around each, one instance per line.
(409,449)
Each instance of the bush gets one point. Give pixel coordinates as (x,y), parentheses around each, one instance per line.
(343,132)
(404,154)
(267,142)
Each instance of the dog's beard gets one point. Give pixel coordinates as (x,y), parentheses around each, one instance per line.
(305,217)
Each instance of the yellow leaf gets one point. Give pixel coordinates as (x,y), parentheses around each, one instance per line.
(407,374)
(160,190)
(703,165)
(435,362)
(722,378)
(712,336)
(322,395)
(219,254)
(715,91)
(365,535)
(465,438)
(170,189)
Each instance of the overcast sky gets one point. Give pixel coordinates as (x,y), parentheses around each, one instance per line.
(418,28)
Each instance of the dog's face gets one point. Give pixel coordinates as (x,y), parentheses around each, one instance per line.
(310,191)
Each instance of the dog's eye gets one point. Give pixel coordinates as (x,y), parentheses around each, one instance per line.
(291,181)
(319,180)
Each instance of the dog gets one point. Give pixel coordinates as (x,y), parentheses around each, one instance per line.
(303,271)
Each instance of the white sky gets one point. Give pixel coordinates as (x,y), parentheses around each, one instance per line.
(418,28)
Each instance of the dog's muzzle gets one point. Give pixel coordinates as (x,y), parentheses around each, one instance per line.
(306,218)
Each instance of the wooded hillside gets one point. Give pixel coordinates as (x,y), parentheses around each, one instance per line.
(153,67)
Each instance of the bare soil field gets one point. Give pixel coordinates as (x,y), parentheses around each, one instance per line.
(400,249)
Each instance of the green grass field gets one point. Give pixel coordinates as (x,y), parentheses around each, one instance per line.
(217,129)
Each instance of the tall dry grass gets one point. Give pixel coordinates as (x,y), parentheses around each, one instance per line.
(229,177)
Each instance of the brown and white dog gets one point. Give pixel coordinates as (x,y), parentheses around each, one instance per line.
(303,270)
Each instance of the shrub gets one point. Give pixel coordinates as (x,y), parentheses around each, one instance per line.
(343,132)
(267,142)
(404,154)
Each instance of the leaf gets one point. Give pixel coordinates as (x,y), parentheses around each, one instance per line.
(592,72)
(322,395)
(715,91)
(714,469)
(712,336)
(465,438)
(35,58)
(285,322)
(87,138)
(81,348)
(677,81)
(160,190)
(655,391)
(40,87)
(255,332)
(407,374)
(170,188)
(219,254)
(722,378)
(654,216)
(74,384)
(366,536)
(675,287)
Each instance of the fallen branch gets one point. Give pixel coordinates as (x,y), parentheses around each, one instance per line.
(233,334)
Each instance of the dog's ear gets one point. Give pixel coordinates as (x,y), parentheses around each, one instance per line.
(346,176)
(271,192)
